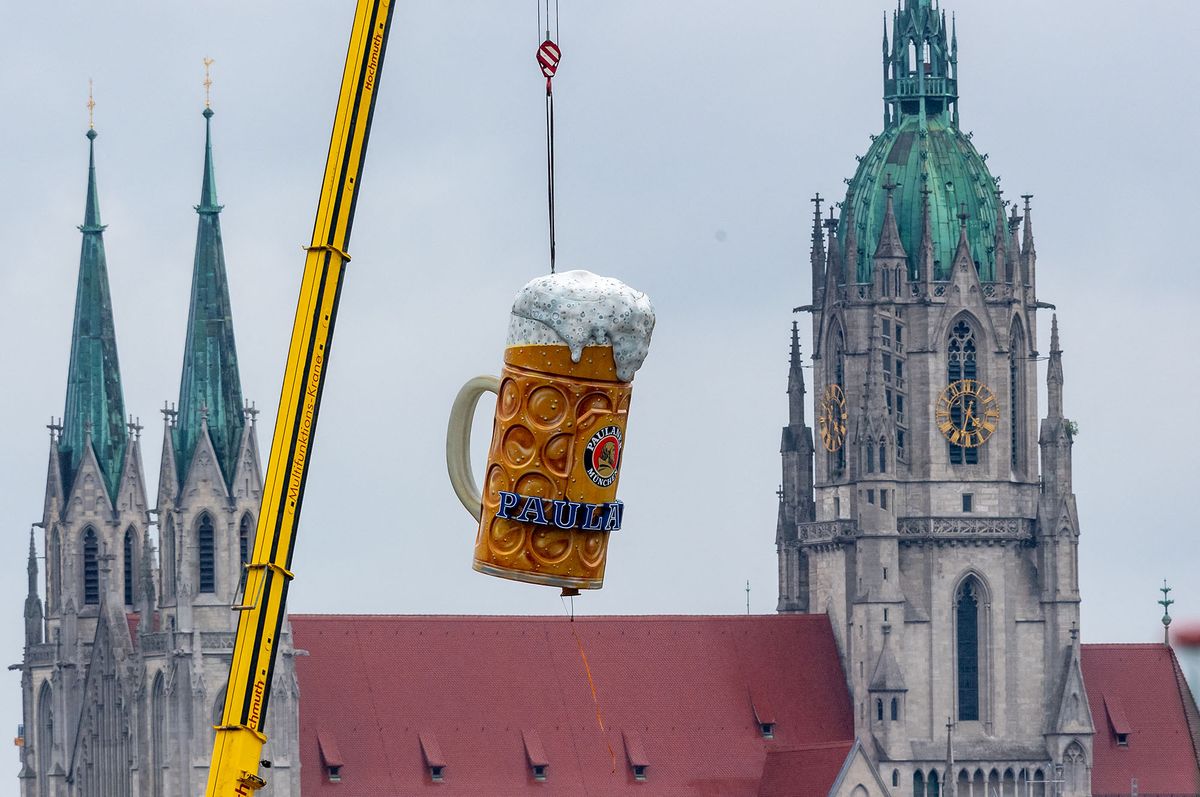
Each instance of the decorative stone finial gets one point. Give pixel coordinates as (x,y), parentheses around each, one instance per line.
(1166,618)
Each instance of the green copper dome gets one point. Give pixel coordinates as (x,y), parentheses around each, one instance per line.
(933,157)
(922,150)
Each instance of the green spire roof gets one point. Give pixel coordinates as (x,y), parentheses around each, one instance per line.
(210,391)
(922,148)
(95,410)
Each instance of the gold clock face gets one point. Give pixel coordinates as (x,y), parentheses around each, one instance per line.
(831,417)
(967,413)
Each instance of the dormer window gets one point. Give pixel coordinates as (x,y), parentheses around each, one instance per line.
(535,755)
(636,753)
(432,753)
(331,757)
(1122,740)
(763,715)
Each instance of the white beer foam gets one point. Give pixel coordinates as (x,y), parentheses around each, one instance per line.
(580,309)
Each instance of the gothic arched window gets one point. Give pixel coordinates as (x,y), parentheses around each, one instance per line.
(878,709)
(206,554)
(918,784)
(167,558)
(91,568)
(966,616)
(44,738)
(961,363)
(128,556)
(1016,394)
(895,708)
(218,710)
(931,789)
(245,539)
(158,736)
(1075,770)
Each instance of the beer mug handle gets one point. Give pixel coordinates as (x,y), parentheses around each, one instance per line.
(458,441)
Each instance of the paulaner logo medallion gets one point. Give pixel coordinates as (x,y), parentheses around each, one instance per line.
(602,457)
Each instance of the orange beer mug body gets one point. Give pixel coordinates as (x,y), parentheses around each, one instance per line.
(549,499)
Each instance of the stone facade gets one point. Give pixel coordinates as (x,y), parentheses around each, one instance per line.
(950,572)
(126,659)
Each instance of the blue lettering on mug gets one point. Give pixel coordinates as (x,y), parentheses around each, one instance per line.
(563,514)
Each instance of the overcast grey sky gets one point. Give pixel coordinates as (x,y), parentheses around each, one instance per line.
(691,134)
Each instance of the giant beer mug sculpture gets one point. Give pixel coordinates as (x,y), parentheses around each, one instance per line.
(549,498)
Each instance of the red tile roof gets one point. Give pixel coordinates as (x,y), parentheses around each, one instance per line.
(804,771)
(678,687)
(1144,692)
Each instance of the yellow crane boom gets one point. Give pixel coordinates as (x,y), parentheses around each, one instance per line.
(238,747)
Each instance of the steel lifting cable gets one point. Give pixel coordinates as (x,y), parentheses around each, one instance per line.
(548,56)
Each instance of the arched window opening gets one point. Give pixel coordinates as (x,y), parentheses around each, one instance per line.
(91,568)
(932,789)
(1016,394)
(158,736)
(870,458)
(878,710)
(1074,770)
(961,364)
(44,738)
(245,539)
(128,555)
(967,611)
(918,784)
(219,706)
(882,457)
(895,777)
(1039,784)
(167,559)
(206,554)
(895,709)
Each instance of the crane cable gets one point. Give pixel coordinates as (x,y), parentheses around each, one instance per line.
(548,56)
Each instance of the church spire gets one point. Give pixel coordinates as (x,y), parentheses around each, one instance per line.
(1028,250)
(1003,266)
(210,391)
(33,604)
(926,259)
(817,254)
(890,245)
(95,404)
(1014,248)
(1054,375)
(796,388)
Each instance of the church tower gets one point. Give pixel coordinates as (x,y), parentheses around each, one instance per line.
(945,558)
(210,486)
(126,659)
(80,673)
